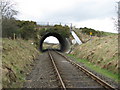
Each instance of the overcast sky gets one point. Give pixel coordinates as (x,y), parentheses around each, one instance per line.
(96,14)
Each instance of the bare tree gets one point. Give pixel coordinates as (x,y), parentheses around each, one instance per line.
(7,9)
(8,12)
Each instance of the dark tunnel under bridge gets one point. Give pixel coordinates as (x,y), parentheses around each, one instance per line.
(64,42)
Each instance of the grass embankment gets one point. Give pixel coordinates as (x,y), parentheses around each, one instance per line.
(86,37)
(18,57)
(97,69)
(101,52)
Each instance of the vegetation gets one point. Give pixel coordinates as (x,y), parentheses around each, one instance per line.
(62,30)
(96,68)
(8,20)
(12,28)
(99,52)
(26,29)
(9,28)
(19,54)
(17,61)
(87,31)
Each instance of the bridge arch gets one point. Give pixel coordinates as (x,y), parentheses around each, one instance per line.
(64,42)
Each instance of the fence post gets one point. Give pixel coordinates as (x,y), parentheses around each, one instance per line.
(14,36)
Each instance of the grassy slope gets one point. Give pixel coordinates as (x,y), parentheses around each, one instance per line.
(96,68)
(101,52)
(17,60)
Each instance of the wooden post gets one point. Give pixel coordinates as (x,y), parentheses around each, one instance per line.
(14,36)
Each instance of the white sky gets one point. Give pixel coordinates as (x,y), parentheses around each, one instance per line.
(51,39)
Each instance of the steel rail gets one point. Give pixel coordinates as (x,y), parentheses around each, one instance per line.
(57,71)
(99,80)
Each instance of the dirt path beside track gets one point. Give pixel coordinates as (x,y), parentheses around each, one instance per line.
(43,75)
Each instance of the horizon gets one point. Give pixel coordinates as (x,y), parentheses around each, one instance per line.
(98,15)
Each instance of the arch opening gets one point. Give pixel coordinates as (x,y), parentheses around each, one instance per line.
(63,42)
(52,43)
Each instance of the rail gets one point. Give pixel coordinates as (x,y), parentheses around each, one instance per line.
(99,80)
(57,71)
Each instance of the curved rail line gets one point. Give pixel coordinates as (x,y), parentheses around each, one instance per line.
(93,76)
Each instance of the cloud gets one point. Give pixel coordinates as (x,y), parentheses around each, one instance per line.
(80,11)
(89,13)
(65,10)
(105,24)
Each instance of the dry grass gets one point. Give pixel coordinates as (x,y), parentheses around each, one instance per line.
(102,51)
(17,61)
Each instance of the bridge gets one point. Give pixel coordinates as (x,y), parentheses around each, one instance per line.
(65,43)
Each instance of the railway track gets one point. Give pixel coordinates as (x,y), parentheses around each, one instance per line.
(72,75)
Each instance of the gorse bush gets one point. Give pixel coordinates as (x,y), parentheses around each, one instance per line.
(62,30)
(94,32)
(27,29)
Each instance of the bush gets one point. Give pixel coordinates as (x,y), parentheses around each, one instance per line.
(94,32)
(27,29)
(62,30)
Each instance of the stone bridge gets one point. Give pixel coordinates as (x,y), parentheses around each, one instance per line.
(65,43)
